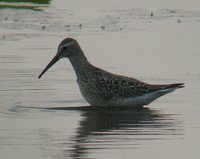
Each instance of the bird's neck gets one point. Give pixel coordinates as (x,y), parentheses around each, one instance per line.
(81,65)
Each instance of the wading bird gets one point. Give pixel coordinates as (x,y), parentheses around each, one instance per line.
(102,88)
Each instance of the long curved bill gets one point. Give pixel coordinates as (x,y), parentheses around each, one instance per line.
(53,61)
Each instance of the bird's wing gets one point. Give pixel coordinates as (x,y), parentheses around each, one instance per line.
(139,88)
(120,86)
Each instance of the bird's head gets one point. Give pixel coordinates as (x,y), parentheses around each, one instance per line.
(67,48)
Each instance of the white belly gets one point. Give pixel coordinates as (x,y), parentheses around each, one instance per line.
(140,100)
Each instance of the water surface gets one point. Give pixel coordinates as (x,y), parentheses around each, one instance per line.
(48,118)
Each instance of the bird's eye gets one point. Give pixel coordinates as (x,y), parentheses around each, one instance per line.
(64,48)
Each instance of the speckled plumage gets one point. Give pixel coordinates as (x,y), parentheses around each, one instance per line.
(102,88)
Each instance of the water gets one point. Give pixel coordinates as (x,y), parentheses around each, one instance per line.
(48,118)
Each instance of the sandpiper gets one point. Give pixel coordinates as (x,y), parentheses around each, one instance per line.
(102,88)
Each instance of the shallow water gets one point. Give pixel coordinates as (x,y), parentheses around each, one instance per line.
(48,118)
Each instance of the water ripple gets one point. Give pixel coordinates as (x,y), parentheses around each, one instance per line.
(104,128)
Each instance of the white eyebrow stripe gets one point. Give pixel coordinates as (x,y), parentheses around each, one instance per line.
(68,44)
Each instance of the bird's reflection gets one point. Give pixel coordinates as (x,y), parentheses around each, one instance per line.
(98,120)
(109,123)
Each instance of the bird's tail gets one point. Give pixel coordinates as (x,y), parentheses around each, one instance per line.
(166,87)
(174,85)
